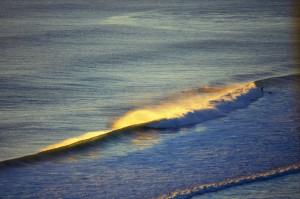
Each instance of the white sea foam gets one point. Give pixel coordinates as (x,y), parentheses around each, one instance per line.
(239,98)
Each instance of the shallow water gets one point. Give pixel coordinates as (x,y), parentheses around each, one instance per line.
(281,187)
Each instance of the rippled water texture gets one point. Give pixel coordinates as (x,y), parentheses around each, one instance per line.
(207,88)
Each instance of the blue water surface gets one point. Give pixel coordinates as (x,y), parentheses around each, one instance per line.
(71,67)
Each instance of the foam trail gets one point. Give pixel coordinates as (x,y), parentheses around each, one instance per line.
(206,188)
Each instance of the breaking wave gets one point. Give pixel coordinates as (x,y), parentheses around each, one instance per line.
(216,105)
(207,188)
(188,108)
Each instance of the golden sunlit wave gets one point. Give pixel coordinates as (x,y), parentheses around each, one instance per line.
(186,102)
(73,140)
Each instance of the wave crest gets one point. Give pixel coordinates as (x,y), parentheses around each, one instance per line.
(186,109)
(214,106)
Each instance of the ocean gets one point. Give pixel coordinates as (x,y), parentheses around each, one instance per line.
(148,99)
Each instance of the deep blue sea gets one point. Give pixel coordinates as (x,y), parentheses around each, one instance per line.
(148,99)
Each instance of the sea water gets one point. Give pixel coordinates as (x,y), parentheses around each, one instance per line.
(72,67)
